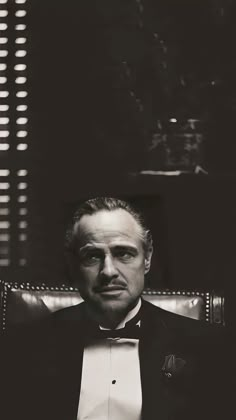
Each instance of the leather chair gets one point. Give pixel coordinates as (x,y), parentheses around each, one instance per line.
(24,303)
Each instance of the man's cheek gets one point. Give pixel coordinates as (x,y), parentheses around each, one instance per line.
(137,269)
(87,273)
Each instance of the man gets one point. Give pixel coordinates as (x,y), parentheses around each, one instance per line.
(116,356)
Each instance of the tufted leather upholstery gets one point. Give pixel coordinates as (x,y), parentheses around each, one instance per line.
(22,303)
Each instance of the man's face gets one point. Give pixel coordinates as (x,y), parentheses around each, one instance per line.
(111,260)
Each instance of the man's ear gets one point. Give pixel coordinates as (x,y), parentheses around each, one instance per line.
(148,258)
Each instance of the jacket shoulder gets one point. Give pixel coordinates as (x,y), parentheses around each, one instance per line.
(71,313)
(180,323)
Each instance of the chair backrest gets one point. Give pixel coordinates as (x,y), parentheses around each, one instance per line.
(23,303)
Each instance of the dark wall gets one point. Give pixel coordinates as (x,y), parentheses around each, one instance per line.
(102,74)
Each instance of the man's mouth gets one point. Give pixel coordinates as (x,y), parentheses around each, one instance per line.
(110,289)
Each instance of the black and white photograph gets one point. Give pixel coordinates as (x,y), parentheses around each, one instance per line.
(117,209)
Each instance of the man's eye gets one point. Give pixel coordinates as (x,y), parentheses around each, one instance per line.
(91,258)
(124,255)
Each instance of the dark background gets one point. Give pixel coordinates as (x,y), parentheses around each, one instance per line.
(100,76)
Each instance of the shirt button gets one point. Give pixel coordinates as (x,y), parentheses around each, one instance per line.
(114,381)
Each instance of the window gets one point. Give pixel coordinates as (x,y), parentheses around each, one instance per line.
(14,123)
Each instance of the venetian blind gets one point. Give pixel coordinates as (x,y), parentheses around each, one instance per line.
(14,123)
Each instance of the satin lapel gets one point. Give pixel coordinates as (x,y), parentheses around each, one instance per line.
(67,362)
(153,347)
(70,374)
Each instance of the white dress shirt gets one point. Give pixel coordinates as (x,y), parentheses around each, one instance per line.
(111,383)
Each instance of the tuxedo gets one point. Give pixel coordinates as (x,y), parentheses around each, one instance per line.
(44,379)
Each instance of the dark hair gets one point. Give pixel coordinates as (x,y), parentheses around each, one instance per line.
(97,204)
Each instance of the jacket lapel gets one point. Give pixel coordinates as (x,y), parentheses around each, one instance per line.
(154,346)
(65,366)
(70,376)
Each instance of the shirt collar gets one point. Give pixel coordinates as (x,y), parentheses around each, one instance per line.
(130,315)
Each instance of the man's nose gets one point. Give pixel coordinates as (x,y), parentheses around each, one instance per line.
(109,269)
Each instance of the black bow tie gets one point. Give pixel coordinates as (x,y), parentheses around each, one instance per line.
(129,331)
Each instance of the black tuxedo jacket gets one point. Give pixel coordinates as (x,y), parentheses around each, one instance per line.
(43,365)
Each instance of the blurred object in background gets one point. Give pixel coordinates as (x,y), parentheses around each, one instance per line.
(177,145)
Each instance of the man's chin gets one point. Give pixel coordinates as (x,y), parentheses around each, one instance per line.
(114,304)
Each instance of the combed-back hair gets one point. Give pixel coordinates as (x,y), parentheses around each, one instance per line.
(94,205)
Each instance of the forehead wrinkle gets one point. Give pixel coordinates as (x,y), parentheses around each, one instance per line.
(88,229)
(114,244)
(101,234)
